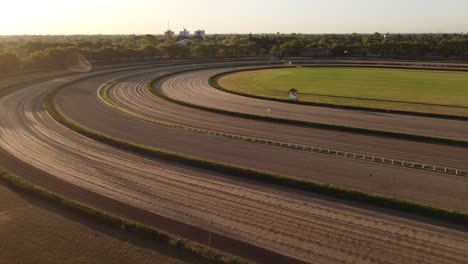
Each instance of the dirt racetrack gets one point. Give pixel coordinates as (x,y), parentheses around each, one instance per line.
(196,90)
(310,228)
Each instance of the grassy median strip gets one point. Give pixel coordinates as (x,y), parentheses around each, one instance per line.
(260,176)
(360,130)
(188,247)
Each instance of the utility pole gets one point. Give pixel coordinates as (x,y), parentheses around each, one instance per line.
(210,223)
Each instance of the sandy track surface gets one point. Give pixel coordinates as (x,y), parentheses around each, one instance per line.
(133,95)
(422,186)
(193,87)
(308,228)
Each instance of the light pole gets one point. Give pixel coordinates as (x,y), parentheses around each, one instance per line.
(210,223)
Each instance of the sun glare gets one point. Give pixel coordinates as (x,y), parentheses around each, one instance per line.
(20,16)
(36,17)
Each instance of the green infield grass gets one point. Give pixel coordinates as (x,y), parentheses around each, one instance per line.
(390,89)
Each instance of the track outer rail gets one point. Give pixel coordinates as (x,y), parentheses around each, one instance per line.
(105,88)
(393,203)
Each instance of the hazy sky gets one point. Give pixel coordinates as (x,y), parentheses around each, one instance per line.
(231,16)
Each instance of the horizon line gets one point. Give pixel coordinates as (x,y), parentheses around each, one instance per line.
(248,33)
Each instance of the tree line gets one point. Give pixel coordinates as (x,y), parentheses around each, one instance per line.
(41,52)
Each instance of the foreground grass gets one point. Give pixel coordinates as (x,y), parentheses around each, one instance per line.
(33,231)
(406,90)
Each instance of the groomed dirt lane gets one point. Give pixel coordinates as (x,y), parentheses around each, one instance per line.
(443,190)
(309,228)
(132,94)
(193,87)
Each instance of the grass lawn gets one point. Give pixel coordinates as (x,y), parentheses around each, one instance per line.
(412,88)
(33,232)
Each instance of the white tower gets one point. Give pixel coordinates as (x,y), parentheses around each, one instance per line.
(184,33)
(200,33)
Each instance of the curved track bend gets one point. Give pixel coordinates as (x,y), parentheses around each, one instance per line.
(193,87)
(312,229)
(423,186)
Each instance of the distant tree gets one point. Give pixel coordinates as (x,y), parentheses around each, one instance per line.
(276,50)
(205,49)
(106,53)
(9,63)
(389,48)
(149,40)
(150,51)
(48,51)
(453,47)
(338,50)
(375,48)
(196,38)
(292,48)
(250,49)
(356,50)
(172,50)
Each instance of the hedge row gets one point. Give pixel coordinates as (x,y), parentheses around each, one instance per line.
(333,127)
(184,246)
(213,81)
(104,95)
(260,176)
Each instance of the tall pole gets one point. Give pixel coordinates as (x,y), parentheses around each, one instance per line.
(209,232)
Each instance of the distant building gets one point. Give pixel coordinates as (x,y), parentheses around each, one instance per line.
(200,33)
(169,34)
(184,33)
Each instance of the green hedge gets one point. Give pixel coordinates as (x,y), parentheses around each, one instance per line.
(104,95)
(182,245)
(390,134)
(185,246)
(191,248)
(264,177)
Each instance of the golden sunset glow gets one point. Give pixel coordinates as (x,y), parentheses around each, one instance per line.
(244,16)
